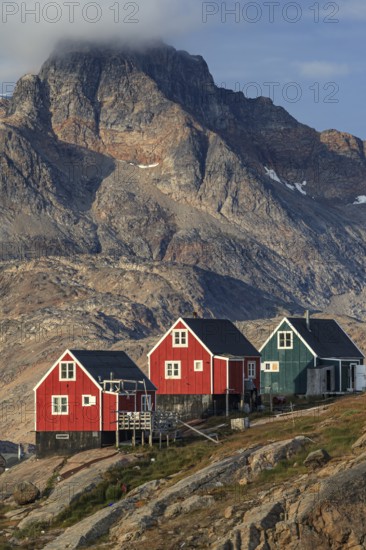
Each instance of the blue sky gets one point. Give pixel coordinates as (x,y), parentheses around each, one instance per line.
(307,56)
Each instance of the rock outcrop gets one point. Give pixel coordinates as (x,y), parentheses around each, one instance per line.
(26,493)
(328,516)
(164,503)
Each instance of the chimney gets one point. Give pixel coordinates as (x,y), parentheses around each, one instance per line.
(195,315)
(307,317)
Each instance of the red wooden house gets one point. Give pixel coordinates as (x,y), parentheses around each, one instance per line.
(198,362)
(78,399)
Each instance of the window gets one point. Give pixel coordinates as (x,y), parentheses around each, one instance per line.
(251,369)
(172,369)
(180,338)
(146,403)
(284,340)
(67,371)
(89,400)
(60,404)
(198,365)
(271,366)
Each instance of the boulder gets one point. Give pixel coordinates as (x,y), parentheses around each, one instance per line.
(26,493)
(316,459)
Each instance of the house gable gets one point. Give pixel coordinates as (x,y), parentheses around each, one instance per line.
(179,324)
(188,379)
(293,362)
(65,357)
(51,387)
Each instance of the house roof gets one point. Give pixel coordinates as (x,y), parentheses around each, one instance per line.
(102,363)
(221,337)
(326,338)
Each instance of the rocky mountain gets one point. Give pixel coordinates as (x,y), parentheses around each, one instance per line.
(133,190)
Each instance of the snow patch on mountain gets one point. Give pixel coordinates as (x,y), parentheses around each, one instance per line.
(293,186)
(299,187)
(361,199)
(144,166)
(272,174)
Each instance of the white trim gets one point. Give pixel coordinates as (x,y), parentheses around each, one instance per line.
(352,366)
(180,320)
(271,363)
(35,411)
(272,334)
(340,374)
(361,353)
(227,375)
(148,397)
(89,396)
(173,362)
(117,407)
(251,363)
(200,361)
(73,378)
(301,338)
(55,365)
(295,331)
(212,374)
(340,359)
(285,332)
(180,331)
(148,366)
(100,409)
(67,405)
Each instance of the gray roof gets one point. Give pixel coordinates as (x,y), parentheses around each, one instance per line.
(103,363)
(222,337)
(326,338)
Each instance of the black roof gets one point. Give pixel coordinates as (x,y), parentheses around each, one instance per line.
(222,337)
(102,363)
(326,338)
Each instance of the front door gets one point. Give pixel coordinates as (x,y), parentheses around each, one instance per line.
(351,377)
(329,380)
(146,403)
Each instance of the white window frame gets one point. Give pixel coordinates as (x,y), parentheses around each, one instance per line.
(252,369)
(176,366)
(178,335)
(198,365)
(56,403)
(274,366)
(89,400)
(146,402)
(67,377)
(285,334)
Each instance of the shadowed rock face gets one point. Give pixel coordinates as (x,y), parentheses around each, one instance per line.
(137,151)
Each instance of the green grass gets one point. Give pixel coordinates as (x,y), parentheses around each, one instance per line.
(32,531)
(165,463)
(285,469)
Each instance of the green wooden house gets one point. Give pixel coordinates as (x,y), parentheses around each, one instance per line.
(311,356)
